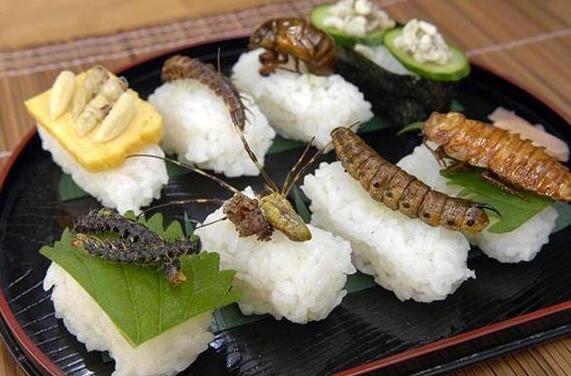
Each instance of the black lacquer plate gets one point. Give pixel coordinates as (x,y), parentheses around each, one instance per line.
(505,308)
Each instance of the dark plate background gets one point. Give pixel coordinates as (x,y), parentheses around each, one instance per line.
(368,325)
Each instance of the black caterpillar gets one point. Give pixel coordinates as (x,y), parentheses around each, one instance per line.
(133,243)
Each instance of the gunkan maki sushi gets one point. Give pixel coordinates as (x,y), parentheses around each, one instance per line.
(407,73)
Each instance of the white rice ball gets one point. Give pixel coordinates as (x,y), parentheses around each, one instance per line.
(129,187)
(303,106)
(165,355)
(301,281)
(410,258)
(199,129)
(521,244)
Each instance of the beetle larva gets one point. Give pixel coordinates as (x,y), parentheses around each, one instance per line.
(93,113)
(118,118)
(61,93)
(398,190)
(94,79)
(510,157)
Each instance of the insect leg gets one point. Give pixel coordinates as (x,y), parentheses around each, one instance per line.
(457,166)
(183,202)
(498,182)
(269,182)
(438,154)
(174,273)
(190,167)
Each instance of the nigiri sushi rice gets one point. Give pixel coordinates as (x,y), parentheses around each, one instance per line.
(410,258)
(167,354)
(303,106)
(129,187)
(301,281)
(199,129)
(521,244)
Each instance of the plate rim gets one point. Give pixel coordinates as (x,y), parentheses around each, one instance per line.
(47,365)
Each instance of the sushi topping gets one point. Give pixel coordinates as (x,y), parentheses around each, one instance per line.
(61,94)
(94,79)
(282,38)
(424,43)
(357,17)
(98,102)
(107,234)
(245,214)
(183,67)
(118,118)
(138,298)
(514,162)
(398,190)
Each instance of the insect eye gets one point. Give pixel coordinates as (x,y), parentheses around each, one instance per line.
(470,222)
(376,185)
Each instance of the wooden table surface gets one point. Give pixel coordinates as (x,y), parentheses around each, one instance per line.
(526,40)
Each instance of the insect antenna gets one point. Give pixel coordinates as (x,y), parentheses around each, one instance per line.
(211,223)
(296,166)
(269,182)
(182,202)
(313,159)
(190,167)
(488,207)
(304,169)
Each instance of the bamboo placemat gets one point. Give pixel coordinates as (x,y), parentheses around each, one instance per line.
(528,41)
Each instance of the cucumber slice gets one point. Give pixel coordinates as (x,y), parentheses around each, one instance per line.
(320,12)
(455,70)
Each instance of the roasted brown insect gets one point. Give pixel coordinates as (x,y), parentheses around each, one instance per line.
(183,67)
(133,244)
(245,214)
(514,160)
(295,37)
(398,190)
(253,216)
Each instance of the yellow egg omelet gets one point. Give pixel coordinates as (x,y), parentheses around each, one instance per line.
(145,128)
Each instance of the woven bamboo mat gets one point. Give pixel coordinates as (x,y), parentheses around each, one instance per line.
(528,41)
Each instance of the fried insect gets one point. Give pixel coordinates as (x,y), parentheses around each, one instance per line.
(514,160)
(295,37)
(133,243)
(245,214)
(398,190)
(183,67)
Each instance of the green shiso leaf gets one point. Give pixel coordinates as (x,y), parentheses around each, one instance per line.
(456,106)
(514,211)
(563,215)
(139,300)
(416,126)
(68,190)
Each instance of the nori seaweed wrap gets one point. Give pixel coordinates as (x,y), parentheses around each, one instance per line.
(402,99)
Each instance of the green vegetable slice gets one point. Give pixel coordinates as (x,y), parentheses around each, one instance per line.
(455,70)
(139,300)
(317,17)
(514,211)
